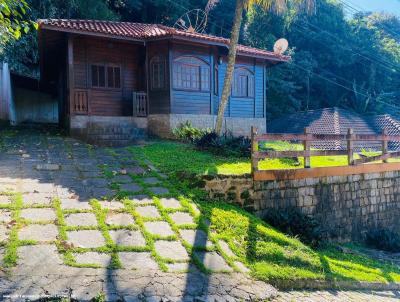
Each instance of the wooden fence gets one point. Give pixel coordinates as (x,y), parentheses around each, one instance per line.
(307,139)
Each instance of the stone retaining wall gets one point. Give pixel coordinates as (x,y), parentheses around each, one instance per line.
(346,206)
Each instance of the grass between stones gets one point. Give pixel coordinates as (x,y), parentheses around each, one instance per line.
(269,254)
(11,256)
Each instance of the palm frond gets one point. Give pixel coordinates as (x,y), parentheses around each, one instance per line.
(280,6)
(210,5)
(277,6)
(308,6)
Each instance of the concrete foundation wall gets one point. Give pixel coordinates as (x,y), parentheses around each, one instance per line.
(163,124)
(108,130)
(346,206)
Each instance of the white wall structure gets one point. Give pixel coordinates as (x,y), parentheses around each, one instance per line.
(7,108)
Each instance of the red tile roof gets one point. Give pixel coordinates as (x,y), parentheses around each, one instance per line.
(338,121)
(144,32)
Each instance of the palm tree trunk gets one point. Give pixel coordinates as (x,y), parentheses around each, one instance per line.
(226,91)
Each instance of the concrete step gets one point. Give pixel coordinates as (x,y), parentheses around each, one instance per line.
(118,134)
(111,143)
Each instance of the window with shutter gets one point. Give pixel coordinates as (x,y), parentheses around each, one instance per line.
(157,67)
(100,77)
(190,73)
(243,83)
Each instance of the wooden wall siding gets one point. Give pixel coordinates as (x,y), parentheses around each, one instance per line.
(106,101)
(188,101)
(159,99)
(243,107)
(221,76)
(80,65)
(259,91)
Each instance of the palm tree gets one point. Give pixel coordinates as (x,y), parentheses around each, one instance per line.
(277,6)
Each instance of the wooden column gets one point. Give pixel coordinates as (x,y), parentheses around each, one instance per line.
(384,144)
(307,148)
(350,152)
(254,148)
(70,60)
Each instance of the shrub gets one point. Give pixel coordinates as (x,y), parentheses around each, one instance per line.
(226,145)
(292,222)
(383,239)
(208,141)
(186,132)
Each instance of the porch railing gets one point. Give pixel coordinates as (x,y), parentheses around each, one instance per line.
(80,105)
(140,104)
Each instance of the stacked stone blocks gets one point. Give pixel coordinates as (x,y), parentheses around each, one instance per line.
(347,206)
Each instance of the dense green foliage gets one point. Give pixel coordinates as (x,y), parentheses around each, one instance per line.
(13,21)
(383,239)
(294,223)
(340,57)
(208,140)
(187,133)
(225,145)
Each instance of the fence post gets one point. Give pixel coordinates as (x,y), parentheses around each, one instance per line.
(307,148)
(350,152)
(384,144)
(254,149)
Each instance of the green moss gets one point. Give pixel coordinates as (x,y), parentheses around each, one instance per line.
(10,256)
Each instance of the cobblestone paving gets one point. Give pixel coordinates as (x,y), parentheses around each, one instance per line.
(77,220)
(338,296)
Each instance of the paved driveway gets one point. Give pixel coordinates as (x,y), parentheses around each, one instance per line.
(80,221)
(83,222)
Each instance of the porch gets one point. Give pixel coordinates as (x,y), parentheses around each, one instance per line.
(81,103)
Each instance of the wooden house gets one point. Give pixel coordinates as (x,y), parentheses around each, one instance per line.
(120,81)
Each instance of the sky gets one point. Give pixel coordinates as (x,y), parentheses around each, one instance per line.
(390,6)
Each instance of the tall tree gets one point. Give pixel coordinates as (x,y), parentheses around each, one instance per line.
(12,21)
(277,6)
(22,54)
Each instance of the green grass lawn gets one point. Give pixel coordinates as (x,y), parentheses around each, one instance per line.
(185,157)
(271,255)
(276,257)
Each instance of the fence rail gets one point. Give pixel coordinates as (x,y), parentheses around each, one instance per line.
(308,138)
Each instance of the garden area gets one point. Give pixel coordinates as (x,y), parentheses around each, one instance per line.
(200,151)
(280,254)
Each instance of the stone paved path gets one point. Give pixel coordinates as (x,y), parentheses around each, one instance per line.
(78,221)
(338,296)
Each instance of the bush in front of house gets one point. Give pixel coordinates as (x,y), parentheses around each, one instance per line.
(294,223)
(187,133)
(208,140)
(226,145)
(383,239)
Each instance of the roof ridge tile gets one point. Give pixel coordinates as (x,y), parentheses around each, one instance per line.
(147,30)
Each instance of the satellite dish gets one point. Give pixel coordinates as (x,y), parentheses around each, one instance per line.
(281,46)
(192,21)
